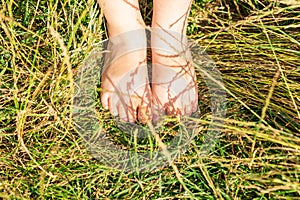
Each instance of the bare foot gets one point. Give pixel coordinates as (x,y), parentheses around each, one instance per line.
(125,85)
(174,86)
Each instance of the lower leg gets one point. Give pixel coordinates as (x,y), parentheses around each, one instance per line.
(171,15)
(121,15)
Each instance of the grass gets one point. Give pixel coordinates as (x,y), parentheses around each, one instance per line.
(256,47)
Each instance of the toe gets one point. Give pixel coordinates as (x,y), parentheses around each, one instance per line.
(188,106)
(187,110)
(144,113)
(112,105)
(105,99)
(126,112)
(157,111)
(144,109)
(173,110)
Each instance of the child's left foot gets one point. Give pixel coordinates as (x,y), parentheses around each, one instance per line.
(174,85)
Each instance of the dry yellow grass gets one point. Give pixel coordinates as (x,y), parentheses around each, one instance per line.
(256,47)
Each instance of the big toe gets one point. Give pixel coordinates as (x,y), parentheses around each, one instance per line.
(105,100)
(126,113)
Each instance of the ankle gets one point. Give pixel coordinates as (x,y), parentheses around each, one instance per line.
(132,41)
(168,42)
(115,29)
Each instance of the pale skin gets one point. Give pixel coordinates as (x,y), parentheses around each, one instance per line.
(126,91)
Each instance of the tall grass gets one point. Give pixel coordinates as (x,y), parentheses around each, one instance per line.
(256,47)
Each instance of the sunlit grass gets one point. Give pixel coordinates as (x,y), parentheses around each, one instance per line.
(255,45)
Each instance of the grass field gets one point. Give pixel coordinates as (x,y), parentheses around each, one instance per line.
(255,44)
